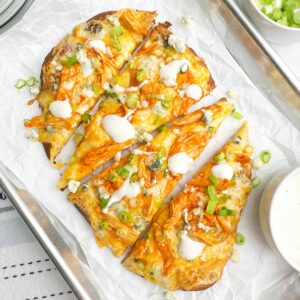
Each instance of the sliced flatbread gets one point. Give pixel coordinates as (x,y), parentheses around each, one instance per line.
(75,71)
(191,238)
(121,201)
(162,81)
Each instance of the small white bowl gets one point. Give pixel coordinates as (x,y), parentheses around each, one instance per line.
(273,32)
(269,199)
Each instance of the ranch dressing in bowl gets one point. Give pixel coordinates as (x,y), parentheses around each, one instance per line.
(285,218)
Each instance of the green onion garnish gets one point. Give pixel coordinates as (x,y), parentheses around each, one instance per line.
(213,179)
(123,172)
(103,202)
(213,200)
(126,217)
(226,212)
(240,239)
(219,157)
(132,100)
(20,84)
(103,225)
(162,128)
(210,129)
(133,178)
(32,81)
(255,182)
(116,32)
(265,156)
(132,160)
(85,117)
(70,61)
(141,75)
(237,115)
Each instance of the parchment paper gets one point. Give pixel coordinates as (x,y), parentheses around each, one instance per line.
(260,272)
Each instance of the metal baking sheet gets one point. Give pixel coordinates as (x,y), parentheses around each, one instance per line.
(258,60)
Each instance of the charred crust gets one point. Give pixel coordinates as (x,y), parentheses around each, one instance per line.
(47,147)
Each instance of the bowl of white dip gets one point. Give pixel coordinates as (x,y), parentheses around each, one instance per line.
(280,215)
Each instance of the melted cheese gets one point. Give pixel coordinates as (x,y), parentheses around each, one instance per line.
(61,108)
(168,73)
(222,171)
(119,89)
(118,128)
(193,91)
(180,163)
(130,190)
(188,248)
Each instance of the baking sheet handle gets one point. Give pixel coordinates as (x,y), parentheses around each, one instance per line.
(50,239)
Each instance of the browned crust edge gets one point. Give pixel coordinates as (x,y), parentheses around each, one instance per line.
(48,59)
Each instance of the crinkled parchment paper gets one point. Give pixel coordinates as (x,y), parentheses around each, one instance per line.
(260,272)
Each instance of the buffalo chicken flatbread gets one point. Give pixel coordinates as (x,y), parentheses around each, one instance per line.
(191,238)
(75,71)
(160,83)
(121,201)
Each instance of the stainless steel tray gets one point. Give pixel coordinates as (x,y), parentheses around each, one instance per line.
(264,68)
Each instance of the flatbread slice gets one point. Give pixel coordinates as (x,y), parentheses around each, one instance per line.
(191,238)
(75,71)
(159,84)
(121,201)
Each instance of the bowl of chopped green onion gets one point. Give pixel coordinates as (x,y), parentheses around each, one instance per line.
(278,20)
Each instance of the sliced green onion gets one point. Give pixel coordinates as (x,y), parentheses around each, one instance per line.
(266,1)
(237,115)
(116,32)
(102,225)
(210,129)
(162,128)
(297,16)
(85,117)
(223,198)
(240,239)
(20,84)
(132,160)
(133,178)
(123,172)
(226,212)
(219,157)
(126,217)
(255,182)
(70,61)
(213,179)
(103,202)
(213,200)
(141,75)
(132,100)
(32,81)
(265,156)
